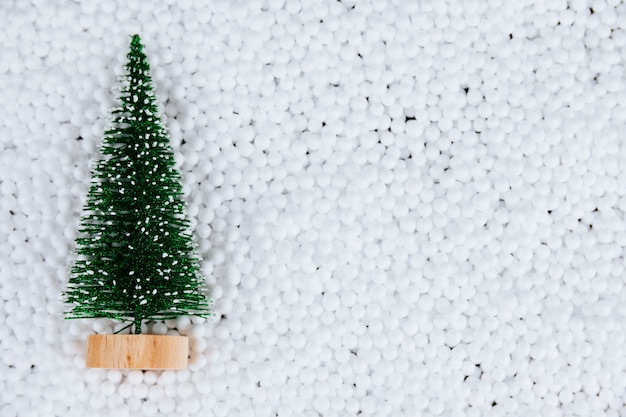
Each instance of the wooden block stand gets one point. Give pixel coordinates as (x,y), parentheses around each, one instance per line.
(137,351)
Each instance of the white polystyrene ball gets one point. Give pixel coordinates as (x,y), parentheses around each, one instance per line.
(166,405)
(159,328)
(135,377)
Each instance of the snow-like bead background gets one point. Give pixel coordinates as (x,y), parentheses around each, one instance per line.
(404,208)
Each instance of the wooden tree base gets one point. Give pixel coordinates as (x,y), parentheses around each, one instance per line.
(137,351)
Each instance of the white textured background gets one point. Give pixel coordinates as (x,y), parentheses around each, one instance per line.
(406,208)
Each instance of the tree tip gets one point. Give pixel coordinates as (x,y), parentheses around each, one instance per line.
(136,40)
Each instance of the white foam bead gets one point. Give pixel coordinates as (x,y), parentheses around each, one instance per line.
(217,256)
(102,326)
(183,323)
(140,391)
(185,390)
(159,329)
(167,378)
(166,405)
(107,388)
(150,377)
(135,377)
(114,376)
(97,401)
(125,390)
(149,408)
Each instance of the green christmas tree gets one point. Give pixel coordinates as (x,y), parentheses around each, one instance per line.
(136,259)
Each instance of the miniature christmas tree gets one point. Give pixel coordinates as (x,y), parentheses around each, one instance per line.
(136,257)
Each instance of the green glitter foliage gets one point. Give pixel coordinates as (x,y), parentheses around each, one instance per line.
(136,259)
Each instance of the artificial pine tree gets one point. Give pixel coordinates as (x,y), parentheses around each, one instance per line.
(136,257)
